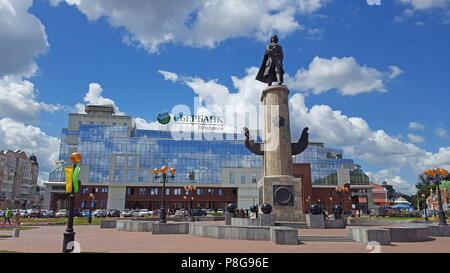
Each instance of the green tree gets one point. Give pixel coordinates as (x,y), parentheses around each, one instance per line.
(423,186)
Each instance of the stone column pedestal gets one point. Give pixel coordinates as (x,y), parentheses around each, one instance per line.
(228,218)
(315,221)
(267,219)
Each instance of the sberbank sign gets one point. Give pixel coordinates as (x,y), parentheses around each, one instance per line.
(198,119)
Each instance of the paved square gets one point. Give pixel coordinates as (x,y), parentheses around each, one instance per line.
(94,239)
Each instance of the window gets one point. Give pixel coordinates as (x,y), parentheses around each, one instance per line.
(131,175)
(210,191)
(253,177)
(220,192)
(130,191)
(85,190)
(120,161)
(176,191)
(104,189)
(132,161)
(143,176)
(142,191)
(118,175)
(167,191)
(154,191)
(102,203)
(96,190)
(231,177)
(199,191)
(243,178)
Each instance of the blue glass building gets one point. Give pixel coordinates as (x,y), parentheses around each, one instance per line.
(119,159)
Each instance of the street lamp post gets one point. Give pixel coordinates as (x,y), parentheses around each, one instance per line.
(164,177)
(190,190)
(69,235)
(437,175)
(341,192)
(426,214)
(90,209)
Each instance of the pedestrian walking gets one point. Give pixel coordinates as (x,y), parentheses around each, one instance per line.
(17,218)
(8,216)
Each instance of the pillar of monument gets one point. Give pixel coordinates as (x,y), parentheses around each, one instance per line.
(277,133)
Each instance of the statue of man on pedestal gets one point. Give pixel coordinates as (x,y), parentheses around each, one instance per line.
(271,69)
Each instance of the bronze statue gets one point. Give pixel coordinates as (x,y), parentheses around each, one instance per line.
(271,69)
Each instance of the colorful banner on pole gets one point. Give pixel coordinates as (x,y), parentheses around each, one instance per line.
(75,178)
(69,179)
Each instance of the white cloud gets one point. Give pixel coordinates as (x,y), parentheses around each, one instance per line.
(441,159)
(352,134)
(416,138)
(198,23)
(169,75)
(343,74)
(18,100)
(442,132)
(22,37)
(425,4)
(416,126)
(391,178)
(17,136)
(93,96)
(395,72)
(415,8)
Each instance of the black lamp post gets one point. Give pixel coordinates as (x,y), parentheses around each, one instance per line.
(341,192)
(436,176)
(90,209)
(190,191)
(69,235)
(164,177)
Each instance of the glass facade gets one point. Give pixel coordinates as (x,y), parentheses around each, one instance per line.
(324,163)
(132,158)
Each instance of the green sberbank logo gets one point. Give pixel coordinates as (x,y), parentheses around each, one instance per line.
(163,118)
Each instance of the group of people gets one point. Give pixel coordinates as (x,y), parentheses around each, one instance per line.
(8,214)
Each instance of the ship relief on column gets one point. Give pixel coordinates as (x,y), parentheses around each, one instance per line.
(277,187)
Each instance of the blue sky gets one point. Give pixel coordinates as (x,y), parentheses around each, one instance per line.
(369,79)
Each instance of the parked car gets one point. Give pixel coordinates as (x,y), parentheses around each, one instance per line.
(114,213)
(47,213)
(23,213)
(143,212)
(99,213)
(76,212)
(14,211)
(126,213)
(209,211)
(34,213)
(2,214)
(135,213)
(179,213)
(220,211)
(61,213)
(198,212)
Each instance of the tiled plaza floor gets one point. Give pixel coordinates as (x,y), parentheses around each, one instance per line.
(94,239)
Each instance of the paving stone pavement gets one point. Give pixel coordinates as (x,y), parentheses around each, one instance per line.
(94,239)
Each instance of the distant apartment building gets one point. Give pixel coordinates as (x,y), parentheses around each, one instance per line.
(18,180)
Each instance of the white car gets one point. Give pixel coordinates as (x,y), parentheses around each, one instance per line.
(220,211)
(23,213)
(61,213)
(179,213)
(143,212)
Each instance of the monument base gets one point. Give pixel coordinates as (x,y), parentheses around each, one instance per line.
(283,193)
